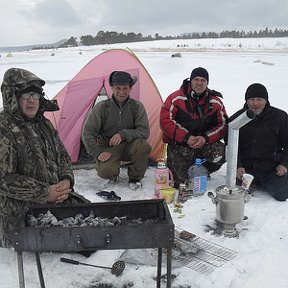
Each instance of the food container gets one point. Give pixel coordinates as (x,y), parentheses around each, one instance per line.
(167,193)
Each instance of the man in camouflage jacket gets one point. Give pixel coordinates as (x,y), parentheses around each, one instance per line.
(35,168)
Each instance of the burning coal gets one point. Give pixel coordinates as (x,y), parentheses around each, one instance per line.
(49,220)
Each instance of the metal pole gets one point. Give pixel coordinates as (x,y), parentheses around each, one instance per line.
(20,269)
(159,268)
(39,268)
(169,267)
(232,151)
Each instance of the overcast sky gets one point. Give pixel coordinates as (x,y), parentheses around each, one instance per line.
(25,22)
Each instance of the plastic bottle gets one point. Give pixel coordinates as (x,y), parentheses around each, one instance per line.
(197,178)
(163,177)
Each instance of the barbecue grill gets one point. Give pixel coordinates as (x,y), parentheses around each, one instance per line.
(148,224)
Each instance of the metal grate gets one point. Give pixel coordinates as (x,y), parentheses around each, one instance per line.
(200,255)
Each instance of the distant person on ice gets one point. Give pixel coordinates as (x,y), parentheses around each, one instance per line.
(263,144)
(193,121)
(35,168)
(116,130)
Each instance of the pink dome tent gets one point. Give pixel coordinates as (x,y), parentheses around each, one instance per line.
(79,95)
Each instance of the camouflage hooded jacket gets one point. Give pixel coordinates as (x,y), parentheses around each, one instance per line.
(32,155)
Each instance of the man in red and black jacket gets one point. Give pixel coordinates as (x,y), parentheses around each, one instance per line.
(193,120)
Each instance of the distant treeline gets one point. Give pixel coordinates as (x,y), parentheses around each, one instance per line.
(112,37)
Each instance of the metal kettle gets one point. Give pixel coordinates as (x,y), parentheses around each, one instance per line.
(230,204)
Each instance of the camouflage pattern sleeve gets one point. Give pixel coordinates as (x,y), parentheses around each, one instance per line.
(14,185)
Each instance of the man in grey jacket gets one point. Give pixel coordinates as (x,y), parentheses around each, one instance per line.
(116,130)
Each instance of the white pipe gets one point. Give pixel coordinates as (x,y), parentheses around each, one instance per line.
(232,148)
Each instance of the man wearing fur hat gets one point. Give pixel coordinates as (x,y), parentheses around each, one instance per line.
(193,121)
(263,144)
(35,168)
(116,130)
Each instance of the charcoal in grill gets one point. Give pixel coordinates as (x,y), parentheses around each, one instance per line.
(49,220)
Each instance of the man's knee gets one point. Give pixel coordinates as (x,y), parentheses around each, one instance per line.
(280,198)
(109,171)
(214,166)
(140,145)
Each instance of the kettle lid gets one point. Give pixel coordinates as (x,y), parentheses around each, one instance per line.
(225,192)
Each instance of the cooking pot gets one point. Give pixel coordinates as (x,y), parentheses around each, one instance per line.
(229,203)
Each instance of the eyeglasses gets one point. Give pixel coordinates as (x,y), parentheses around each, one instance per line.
(26,96)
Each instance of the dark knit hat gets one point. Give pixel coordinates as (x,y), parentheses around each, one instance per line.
(256,90)
(121,78)
(200,72)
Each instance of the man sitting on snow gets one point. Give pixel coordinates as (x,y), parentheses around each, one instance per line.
(193,121)
(263,144)
(116,130)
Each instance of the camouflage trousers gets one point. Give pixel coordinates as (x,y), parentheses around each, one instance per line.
(180,158)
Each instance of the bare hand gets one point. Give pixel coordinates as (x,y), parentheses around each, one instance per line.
(115,140)
(240,172)
(281,170)
(59,192)
(196,142)
(104,156)
(63,185)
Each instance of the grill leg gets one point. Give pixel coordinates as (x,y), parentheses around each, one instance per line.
(159,267)
(39,268)
(169,267)
(20,270)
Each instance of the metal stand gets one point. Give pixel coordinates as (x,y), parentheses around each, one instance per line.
(21,269)
(230,230)
(159,266)
(39,268)
(41,278)
(169,267)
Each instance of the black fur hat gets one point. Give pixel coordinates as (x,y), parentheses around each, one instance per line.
(121,78)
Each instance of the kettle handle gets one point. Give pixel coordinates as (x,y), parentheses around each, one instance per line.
(212,197)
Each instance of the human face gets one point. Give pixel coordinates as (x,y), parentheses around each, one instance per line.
(256,104)
(29,106)
(121,92)
(199,85)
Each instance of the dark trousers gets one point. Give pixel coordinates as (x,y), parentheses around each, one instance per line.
(276,186)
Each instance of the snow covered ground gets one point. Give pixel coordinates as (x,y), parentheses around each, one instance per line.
(261,246)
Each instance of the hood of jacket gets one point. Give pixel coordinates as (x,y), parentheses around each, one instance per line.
(14,81)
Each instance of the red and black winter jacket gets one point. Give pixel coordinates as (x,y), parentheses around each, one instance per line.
(184,114)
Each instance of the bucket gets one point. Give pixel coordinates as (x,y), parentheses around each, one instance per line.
(167,193)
